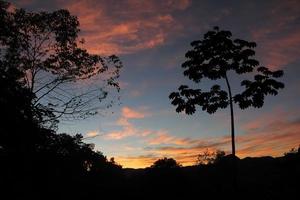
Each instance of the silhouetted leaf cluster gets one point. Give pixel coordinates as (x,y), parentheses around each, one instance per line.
(45,48)
(187,99)
(213,58)
(166,163)
(255,91)
(207,157)
(35,160)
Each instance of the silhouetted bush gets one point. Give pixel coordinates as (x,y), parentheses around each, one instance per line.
(207,157)
(166,163)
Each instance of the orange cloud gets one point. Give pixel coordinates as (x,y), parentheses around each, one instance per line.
(129,113)
(127,128)
(271,135)
(127,27)
(267,135)
(163,137)
(92,134)
(117,135)
(127,131)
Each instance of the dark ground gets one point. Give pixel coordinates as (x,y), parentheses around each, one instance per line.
(258,178)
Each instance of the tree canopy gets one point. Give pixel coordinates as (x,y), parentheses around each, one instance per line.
(46,50)
(165,163)
(213,58)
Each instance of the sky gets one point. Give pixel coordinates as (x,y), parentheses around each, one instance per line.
(151,38)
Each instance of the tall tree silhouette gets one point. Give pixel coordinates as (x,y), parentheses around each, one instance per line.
(33,157)
(45,47)
(213,58)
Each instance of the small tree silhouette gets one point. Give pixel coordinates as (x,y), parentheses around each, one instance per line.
(212,58)
(166,163)
(207,157)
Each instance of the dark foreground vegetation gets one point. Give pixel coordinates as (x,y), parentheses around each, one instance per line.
(50,173)
(38,163)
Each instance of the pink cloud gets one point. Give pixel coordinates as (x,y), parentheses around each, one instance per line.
(127,127)
(280,51)
(129,113)
(123,84)
(267,135)
(117,135)
(127,27)
(127,130)
(135,93)
(279,40)
(163,137)
(270,134)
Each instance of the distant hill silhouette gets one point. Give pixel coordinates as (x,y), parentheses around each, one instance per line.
(258,178)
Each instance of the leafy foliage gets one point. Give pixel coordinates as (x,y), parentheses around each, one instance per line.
(35,160)
(264,83)
(207,157)
(187,99)
(45,48)
(165,163)
(212,58)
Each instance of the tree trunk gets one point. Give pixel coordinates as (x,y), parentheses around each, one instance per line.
(234,160)
(232,117)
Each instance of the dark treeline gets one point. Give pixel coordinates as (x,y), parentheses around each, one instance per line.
(258,178)
(38,163)
(34,160)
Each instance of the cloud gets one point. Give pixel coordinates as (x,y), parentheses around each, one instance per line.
(186,153)
(117,135)
(135,93)
(129,113)
(123,84)
(281,50)
(130,26)
(128,131)
(127,27)
(127,128)
(163,137)
(92,134)
(152,137)
(270,134)
(264,136)
(279,39)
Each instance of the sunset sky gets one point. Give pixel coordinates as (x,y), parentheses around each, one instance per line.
(151,38)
